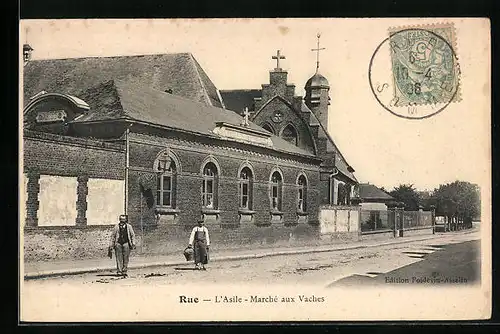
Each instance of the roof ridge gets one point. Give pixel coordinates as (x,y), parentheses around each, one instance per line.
(204,88)
(330,138)
(120,56)
(241,90)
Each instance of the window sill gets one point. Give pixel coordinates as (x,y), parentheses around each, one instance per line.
(167,211)
(209,211)
(276,213)
(246,212)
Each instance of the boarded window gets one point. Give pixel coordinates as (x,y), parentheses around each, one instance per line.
(57,199)
(105,199)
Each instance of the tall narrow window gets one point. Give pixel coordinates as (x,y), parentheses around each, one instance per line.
(301,194)
(267,127)
(290,134)
(246,179)
(209,186)
(165,185)
(276,190)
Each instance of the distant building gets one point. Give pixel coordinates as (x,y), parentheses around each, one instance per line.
(374,205)
(374,198)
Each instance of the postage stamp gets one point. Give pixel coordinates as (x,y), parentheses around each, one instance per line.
(414,73)
(424,65)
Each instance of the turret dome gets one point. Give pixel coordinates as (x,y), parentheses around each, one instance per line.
(317,81)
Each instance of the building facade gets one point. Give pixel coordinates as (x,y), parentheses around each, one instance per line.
(151,136)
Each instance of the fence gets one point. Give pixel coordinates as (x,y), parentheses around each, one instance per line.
(395,220)
(376,220)
(447,224)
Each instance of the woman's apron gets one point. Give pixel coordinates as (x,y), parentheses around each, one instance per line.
(200,247)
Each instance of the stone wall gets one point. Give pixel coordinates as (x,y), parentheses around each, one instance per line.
(339,219)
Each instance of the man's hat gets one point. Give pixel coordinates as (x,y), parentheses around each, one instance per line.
(125,217)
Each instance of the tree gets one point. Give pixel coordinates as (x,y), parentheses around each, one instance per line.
(458,199)
(407,194)
(426,199)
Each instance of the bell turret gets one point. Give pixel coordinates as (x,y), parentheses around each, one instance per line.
(317,92)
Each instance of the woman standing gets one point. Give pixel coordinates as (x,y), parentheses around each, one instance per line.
(200,240)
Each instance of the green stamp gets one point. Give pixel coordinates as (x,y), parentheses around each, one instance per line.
(424,66)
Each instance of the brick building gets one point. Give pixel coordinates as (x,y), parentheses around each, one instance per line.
(152,136)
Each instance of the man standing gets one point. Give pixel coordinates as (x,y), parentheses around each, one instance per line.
(201,241)
(122,240)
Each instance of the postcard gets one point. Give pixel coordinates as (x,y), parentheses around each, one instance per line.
(197,170)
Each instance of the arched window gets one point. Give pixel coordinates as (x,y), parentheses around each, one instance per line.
(290,134)
(166,182)
(276,191)
(268,127)
(246,185)
(209,186)
(302,194)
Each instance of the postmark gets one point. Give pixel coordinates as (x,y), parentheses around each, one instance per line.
(414,73)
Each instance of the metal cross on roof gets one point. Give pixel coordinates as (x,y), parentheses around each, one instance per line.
(318,49)
(278,57)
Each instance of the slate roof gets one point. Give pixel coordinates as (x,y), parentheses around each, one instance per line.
(238,99)
(340,161)
(179,72)
(119,99)
(369,191)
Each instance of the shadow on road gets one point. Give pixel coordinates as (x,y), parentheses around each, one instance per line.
(455,264)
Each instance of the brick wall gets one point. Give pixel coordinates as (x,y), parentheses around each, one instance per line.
(191,157)
(57,243)
(69,156)
(84,159)
(173,238)
(169,234)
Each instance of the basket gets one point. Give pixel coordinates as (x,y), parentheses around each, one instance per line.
(189,253)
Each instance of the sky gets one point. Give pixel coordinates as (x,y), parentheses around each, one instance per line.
(384,150)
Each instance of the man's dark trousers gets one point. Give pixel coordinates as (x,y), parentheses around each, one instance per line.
(122,253)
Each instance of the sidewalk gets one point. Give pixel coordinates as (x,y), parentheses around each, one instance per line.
(73,267)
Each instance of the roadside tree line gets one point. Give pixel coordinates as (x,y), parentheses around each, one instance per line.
(459,201)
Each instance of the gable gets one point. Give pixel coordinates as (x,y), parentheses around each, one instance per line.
(279,115)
